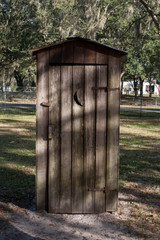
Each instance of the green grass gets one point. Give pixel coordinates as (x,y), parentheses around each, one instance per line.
(17,158)
(140,168)
(139,115)
(140,150)
(139,162)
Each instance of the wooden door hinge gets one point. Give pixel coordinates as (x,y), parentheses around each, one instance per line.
(49,132)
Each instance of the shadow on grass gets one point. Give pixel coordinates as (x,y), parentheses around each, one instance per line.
(17,160)
(18,111)
(17,187)
(139,159)
(18,149)
(139,115)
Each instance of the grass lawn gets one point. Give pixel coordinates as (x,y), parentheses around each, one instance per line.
(17,158)
(140,168)
(139,164)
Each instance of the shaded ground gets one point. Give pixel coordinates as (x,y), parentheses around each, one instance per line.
(25,224)
(138,215)
(19,223)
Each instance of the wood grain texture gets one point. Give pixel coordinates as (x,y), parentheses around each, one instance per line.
(113,133)
(66,92)
(54,142)
(55,55)
(101,56)
(78,158)
(78,52)
(89,139)
(101,158)
(89,54)
(41,130)
(77,141)
(67,52)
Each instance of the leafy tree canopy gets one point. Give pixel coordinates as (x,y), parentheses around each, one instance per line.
(129,25)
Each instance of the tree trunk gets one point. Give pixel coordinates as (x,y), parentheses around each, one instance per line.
(121,87)
(141,87)
(19,79)
(4,85)
(135,87)
(150,88)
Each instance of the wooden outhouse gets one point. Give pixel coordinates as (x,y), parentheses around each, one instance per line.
(78,108)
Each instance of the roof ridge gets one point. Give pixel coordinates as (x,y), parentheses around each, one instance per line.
(70,39)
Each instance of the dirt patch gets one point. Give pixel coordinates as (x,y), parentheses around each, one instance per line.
(19,223)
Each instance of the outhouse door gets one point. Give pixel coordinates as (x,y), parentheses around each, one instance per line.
(77,138)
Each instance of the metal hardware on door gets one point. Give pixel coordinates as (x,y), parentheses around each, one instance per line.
(49,132)
(105,190)
(77,100)
(100,88)
(105,88)
(44,104)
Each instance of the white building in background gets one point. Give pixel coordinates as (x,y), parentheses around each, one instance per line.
(5,89)
(128,87)
(154,88)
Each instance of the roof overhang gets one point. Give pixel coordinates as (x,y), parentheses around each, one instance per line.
(36,50)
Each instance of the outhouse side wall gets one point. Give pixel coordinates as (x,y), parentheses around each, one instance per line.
(77,52)
(113,123)
(41,129)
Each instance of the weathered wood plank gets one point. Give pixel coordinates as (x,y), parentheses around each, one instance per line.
(77,141)
(54,142)
(89,53)
(67,52)
(101,56)
(55,55)
(66,91)
(78,52)
(101,109)
(41,130)
(89,139)
(113,133)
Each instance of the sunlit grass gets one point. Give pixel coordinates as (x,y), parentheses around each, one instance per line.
(17,143)
(140,169)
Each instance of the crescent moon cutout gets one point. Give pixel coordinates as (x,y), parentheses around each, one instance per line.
(76,99)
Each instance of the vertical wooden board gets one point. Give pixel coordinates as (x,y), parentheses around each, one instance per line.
(66,91)
(54,142)
(67,52)
(101,55)
(77,140)
(89,53)
(41,130)
(78,52)
(89,139)
(113,133)
(55,55)
(101,109)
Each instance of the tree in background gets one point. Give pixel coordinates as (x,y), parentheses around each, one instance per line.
(129,25)
(24,24)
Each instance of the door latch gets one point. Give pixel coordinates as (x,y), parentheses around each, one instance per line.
(44,104)
(105,89)
(105,189)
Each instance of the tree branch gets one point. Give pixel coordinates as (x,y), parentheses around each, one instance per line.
(151,13)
